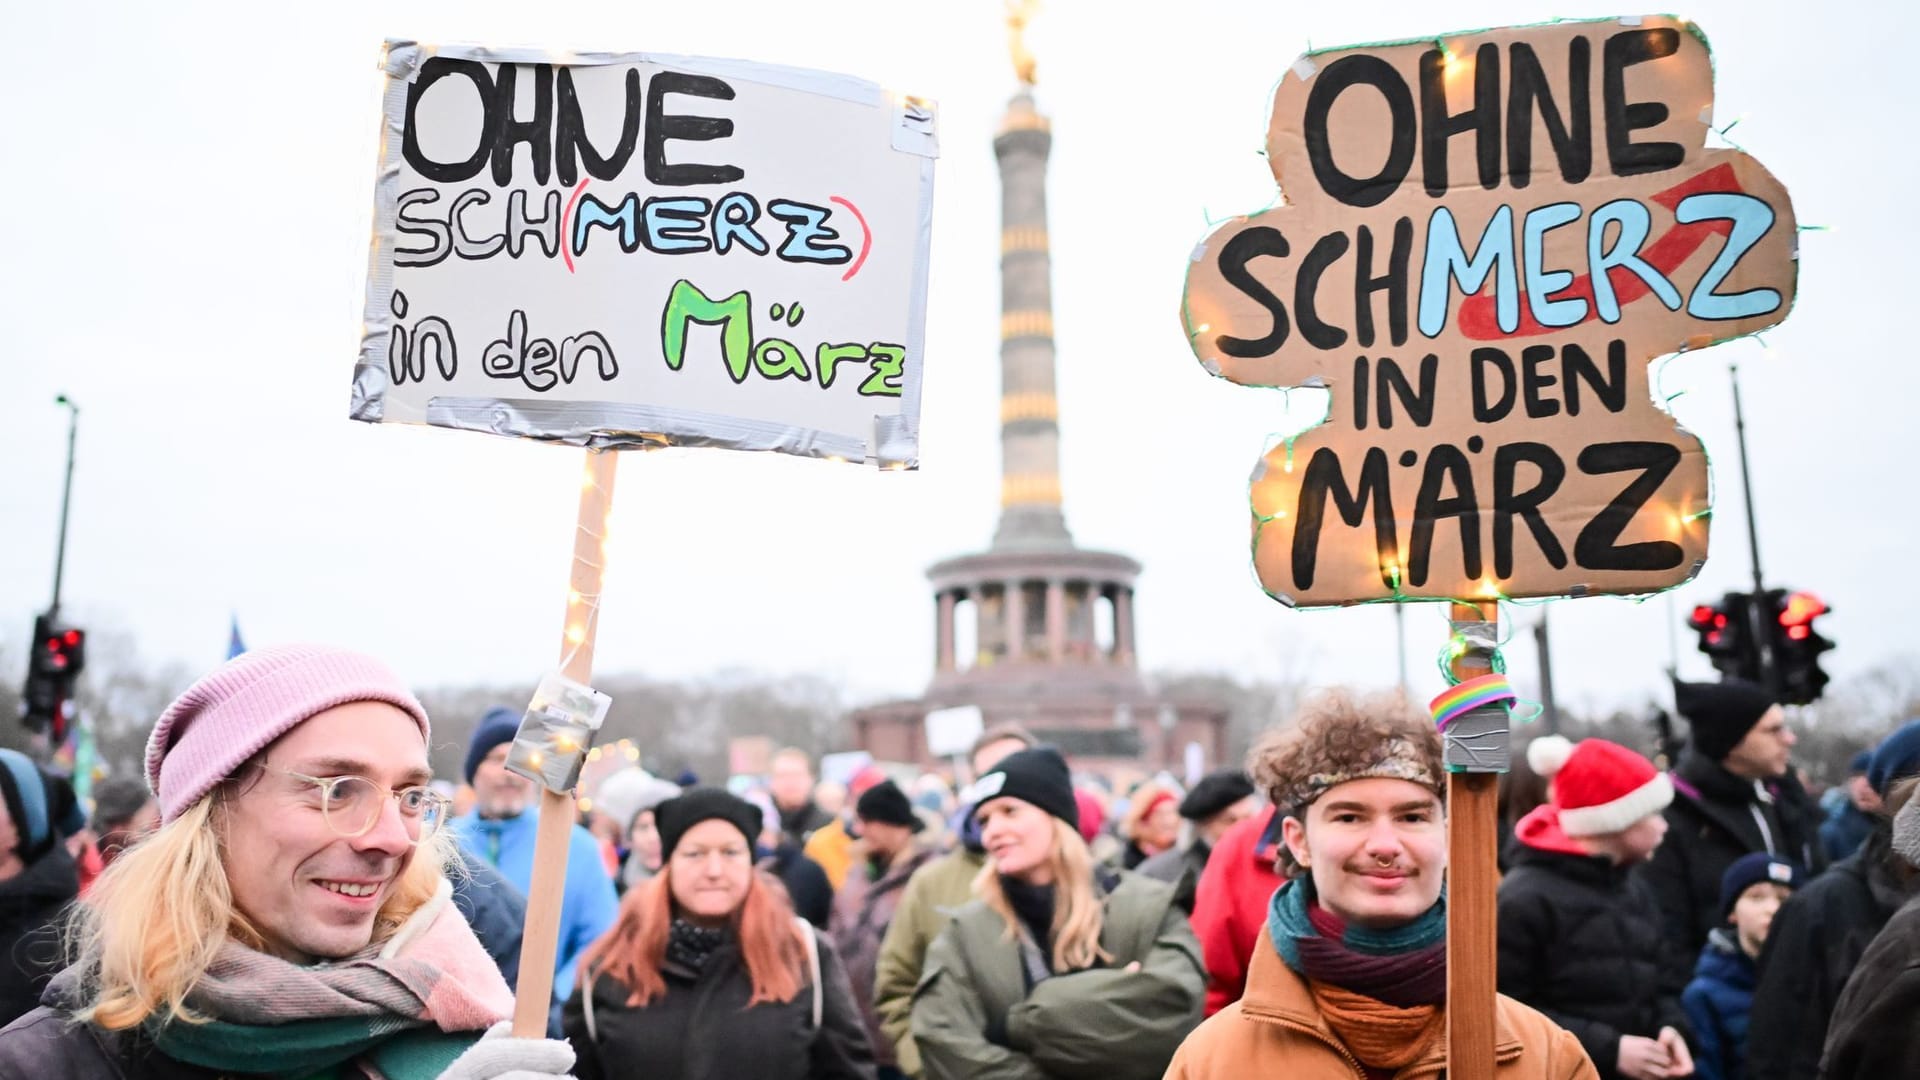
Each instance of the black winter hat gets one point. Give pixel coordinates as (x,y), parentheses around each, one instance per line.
(884,802)
(1038,776)
(1215,792)
(682,812)
(1720,714)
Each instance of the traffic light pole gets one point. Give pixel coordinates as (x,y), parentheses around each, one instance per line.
(66,500)
(1757,619)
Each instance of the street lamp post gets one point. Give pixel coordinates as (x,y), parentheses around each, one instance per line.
(66,500)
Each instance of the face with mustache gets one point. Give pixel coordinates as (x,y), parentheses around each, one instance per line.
(1377,850)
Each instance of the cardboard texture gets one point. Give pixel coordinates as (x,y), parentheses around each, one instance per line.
(1491,436)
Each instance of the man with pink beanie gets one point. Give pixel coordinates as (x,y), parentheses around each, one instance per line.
(291,916)
(1579,941)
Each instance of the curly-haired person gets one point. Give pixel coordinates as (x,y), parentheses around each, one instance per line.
(1349,977)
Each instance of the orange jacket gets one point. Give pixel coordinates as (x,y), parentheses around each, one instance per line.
(1275,1029)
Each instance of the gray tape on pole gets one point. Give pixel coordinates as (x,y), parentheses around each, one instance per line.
(1479,741)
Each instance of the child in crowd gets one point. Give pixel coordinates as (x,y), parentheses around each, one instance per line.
(1577,941)
(1721,993)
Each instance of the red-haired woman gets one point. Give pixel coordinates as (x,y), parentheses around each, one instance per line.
(707,973)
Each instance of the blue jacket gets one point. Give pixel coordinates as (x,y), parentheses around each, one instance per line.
(588,905)
(1718,1001)
(1845,830)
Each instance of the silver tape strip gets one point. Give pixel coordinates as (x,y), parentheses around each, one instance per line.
(1479,741)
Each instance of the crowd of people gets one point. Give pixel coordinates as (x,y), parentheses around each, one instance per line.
(289,891)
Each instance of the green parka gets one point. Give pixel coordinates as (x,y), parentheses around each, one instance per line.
(933,894)
(1106,1022)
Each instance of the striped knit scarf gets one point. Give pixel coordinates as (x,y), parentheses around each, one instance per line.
(1383,992)
(405,1008)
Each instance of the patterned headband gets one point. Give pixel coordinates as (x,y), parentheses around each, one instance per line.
(1401,760)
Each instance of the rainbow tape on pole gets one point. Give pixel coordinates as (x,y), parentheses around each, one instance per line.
(1470,695)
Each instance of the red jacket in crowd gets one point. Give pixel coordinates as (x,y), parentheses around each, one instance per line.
(1230,907)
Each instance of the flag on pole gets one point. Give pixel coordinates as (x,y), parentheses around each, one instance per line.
(235,646)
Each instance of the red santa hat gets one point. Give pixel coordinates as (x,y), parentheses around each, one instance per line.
(1599,787)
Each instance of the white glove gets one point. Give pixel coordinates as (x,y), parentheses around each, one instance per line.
(500,1056)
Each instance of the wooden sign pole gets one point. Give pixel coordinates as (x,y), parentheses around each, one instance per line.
(1473,878)
(533,997)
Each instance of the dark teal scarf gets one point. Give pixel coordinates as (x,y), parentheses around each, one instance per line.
(1403,966)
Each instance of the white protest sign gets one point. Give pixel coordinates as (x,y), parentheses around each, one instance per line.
(951,731)
(625,250)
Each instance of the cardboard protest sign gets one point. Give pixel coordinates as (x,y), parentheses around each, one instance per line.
(631,250)
(1483,241)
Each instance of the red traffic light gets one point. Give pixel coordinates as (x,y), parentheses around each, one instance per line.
(1799,610)
(1702,616)
(71,639)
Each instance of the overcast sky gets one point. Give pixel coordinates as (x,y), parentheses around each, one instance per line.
(189,191)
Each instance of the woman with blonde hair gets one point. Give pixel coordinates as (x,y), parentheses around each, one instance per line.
(291,916)
(707,972)
(1059,968)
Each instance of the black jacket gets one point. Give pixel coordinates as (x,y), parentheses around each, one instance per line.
(1715,818)
(1873,1034)
(1816,941)
(1180,868)
(806,883)
(32,905)
(46,1044)
(702,1029)
(1580,942)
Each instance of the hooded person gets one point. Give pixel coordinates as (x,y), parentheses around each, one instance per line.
(1222,799)
(501,830)
(708,973)
(38,879)
(890,849)
(629,797)
(1822,932)
(1348,977)
(932,894)
(1734,794)
(1060,966)
(1872,1034)
(1719,1000)
(1852,820)
(292,915)
(1577,941)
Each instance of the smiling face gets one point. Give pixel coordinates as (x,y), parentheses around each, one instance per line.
(1377,850)
(310,893)
(711,872)
(1019,839)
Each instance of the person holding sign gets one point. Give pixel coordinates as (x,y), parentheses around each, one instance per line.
(1060,967)
(1577,941)
(708,973)
(292,914)
(1349,976)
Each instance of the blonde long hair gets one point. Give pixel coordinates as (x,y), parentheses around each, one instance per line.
(158,915)
(1077,915)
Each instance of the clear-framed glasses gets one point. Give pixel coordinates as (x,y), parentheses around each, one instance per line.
(351,805)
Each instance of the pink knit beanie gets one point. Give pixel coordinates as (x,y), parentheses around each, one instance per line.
(242,707)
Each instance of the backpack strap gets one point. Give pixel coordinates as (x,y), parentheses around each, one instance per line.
(593,1033)
(813,966)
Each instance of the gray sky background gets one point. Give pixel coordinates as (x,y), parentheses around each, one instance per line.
(189,190)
